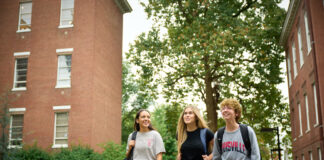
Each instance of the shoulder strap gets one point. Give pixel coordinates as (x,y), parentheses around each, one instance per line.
(130,156)
(220,133)
(134,135)
(246,138)
(203,138)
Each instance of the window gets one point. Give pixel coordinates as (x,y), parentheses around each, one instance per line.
(300,121)
(16,130)
(289,71)
(300,47)
(310,155)
(315,105)
(293,49)
(67,12)
(319,153)
(309,46)
(64,71)
(20,75)
(61,130)
(307,112)
(25,13)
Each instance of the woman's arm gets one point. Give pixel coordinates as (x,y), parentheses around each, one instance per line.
(210,156)
(131,144)
(159,156)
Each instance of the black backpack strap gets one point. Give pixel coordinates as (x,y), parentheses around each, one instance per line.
(220,133)
(134,135)
(246,138)
(130,156)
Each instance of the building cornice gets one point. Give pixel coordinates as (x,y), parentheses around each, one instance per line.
(292,10)
(124,6)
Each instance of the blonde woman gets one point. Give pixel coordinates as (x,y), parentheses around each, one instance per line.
(195,140)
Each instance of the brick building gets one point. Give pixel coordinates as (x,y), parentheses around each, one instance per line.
(63,60)
(303,39)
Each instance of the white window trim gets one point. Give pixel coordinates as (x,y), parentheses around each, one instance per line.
(300,48)
(315,105)
(289,71)
(293,50)
(300,121)
(310,155)
(57,145)
(64,50)
(17,110)
(21,54)
(16,54)
(12,146)
(307,32)
(319,153)
(65,26)
(26,30)
(307,112)
(67,107)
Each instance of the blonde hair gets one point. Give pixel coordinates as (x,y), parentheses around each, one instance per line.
(234,104)
(182,127)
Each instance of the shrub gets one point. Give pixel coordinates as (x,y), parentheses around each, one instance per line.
(77,153)
(29,153)
(114,151)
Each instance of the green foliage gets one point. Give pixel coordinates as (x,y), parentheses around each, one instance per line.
(111,151)
(29,153)
(76,153)
(5,99)
(215,50)
(134,98)
(114,151)
(165,120)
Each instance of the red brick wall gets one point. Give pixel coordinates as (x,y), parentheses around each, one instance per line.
(95,93)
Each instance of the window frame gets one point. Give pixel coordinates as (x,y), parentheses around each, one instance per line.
(315,105)
(293,50)
(20,55)
(289,71)
(307,32)
(300,120)
(60,111)
(307,113)
(20,16)
(300,48)
(61,16)
(14,112)
(63,52)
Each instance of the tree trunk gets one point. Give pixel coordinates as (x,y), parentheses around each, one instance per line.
(211,98)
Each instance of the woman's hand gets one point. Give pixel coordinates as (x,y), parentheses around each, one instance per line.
(206,157)
(179,156)
(131,144)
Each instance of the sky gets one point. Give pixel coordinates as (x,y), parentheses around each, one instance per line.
(136,22)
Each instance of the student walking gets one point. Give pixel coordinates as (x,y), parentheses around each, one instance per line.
(234,141)
(148,143)
(195,140)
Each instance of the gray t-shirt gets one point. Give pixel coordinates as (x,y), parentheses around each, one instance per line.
(233,146)
(147,145)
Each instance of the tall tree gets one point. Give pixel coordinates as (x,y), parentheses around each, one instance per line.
(134,98)
(215,49)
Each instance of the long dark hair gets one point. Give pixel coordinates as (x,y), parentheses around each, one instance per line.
(136,125)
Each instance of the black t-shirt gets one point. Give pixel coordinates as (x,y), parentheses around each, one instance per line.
(192,148)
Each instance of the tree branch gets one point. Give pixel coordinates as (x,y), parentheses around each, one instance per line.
(244,8)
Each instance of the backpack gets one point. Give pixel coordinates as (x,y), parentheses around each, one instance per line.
(130,156)
(245,137)
(203,139)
